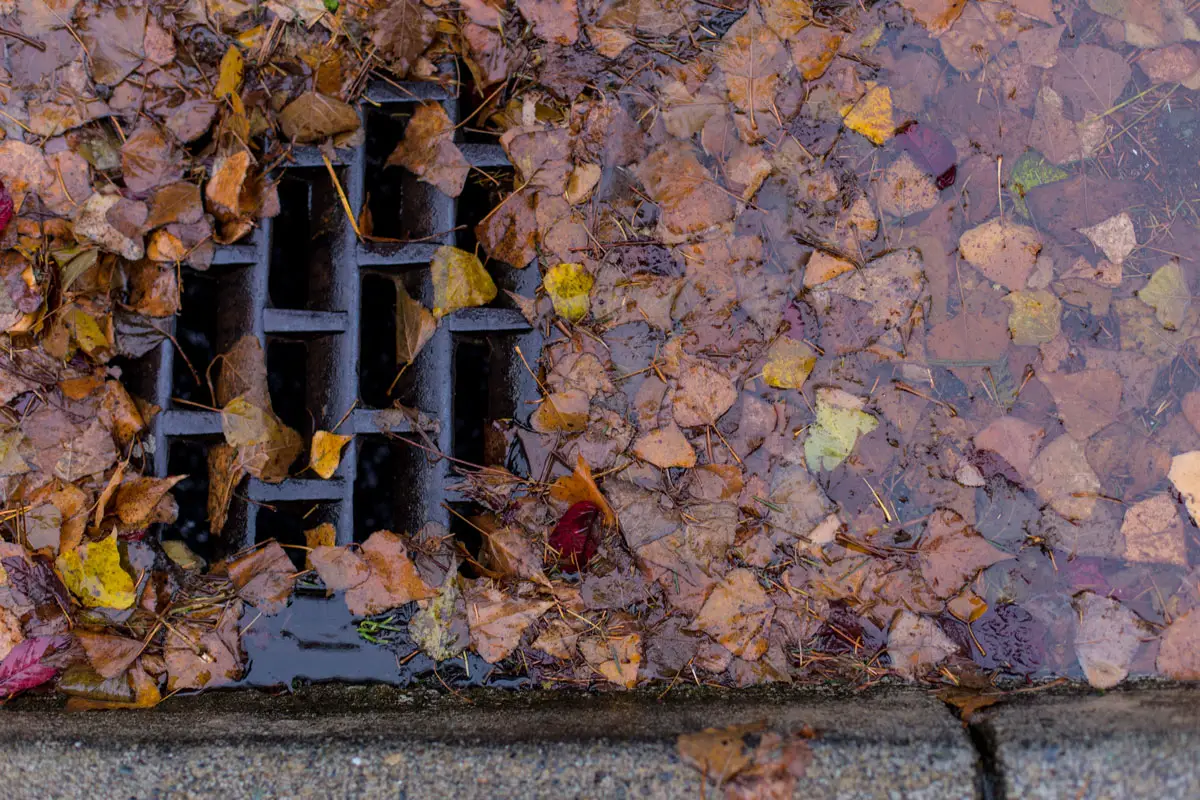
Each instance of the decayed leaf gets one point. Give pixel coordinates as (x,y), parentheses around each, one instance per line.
(702,395)
(1087,400)
(1185,477)
(201,654)
(428,150)
(813,49)
(916,643)
(109,655)
(1014,440)
(789,363)
(224,190)
(264,578)
(93,573)
(738,614)
(182,555)
(616,657)
(952,553)
(498,621)
(561,412)
(313,116)
(753,61)
(872,115)
(1168,293)
(1106,639)
(265,446)
(906,189)
(1115,237)
(440,626)
(569,286)
(555,21)
(1154,532)
(509,551)
(718,753)
(378,578)
(689,200)
(840,421)
(936,15)
(459,281)
(326,452)
(1062,477)
(509,232)
(665,448)
(1036,317)
(1004,252)
(1179,653)
(1030,171)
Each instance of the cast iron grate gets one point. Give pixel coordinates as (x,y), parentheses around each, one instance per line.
(322,303)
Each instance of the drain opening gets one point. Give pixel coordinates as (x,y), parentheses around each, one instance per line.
(196,333)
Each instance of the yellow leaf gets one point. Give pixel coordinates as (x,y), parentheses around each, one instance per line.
(86,331)
(788,364)
(327,452)
(872,115)
(1036,317)
(568,286)
(92,572)
(232,67)
(324,535)
(459,281)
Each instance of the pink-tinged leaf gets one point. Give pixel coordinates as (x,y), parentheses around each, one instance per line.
(23,668)
(573,538)
(6,206)
(931,150)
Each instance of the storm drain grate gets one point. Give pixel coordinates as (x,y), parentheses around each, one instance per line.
(323,305)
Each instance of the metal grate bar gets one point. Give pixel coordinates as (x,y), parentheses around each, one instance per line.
(329,328)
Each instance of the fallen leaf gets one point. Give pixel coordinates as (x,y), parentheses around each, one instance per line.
(313,116)
(569,286)
(1031,170)
(439,627)
(840,421)
(509,232)
(205,652)
(872,115)
(92,224)
(497,622)
(1087,401)
(182,555)
(702,394)
(10,632)
(224,189)
(1115,237)
(753,61)
(616,657)
(378,578)
(1061,139)
(718,753)
(574,538)
(916,643)
(554,21)
(1003,252)
(1036,317)
(737,614)
(109,655)
(813,50)
(1185,477)
(1154,532)
(936,15)
(138,498)
(327,452)
(789,363)
(93,574)
(149,160)
(952,553)
(429,152)
(689,200)
(402,31)
(1091,78)
(665,448)
(561,412)
(264,578)
(229,75)
(459,281)
(265,446)
(1062,477)
(580,485)
(1168,293)
(1107,636)
(1179,652)
(905,190)
(509,551)
(27,665)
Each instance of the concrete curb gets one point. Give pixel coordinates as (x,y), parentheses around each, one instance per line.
(383,742)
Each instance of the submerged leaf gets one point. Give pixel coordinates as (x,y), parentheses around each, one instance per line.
(789,363)
(1107,638)
(1036,317)
(840,421)
(1169,295)
(1004,252)
(872,115)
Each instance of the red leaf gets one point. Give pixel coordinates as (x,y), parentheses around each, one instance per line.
(6,206)
(23,669)
(573,538)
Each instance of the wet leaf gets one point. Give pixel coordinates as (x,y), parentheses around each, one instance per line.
(616,657)
(753,61)
(313,116)
(952,553)
(718,753)
(1002,251)
(906,190)
(109,655)
(916,643)
(440,627)
(26,665)
(326,452)
(1087,401)
(555,21)
(665,448)
(379,578)
(580,486)
(789,363)
(1036,317)
(402,31)
(428,150)
(94,575)
(574,537)
(1154,532)
(1168,293)
(205,653)
(138,499)
(738,615)
(264,578)
(840,420)
(1115,237)
(1030,171)
(229,76)
(1179,653)
(509,232)
(1092,78)
(1062,477)
(569,286)
(872,115)
(509,551)
(459,281)
(182,555)
(936,15)
(702,395)
(1185,477)
(148,160)
(497,622)
(265,446)
(1106,639)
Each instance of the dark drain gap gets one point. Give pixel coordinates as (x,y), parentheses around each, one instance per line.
(472,398)
(287,381)
(196,332)
(287,523)
(191,458)
(377,349)
(484,190)
(290,242)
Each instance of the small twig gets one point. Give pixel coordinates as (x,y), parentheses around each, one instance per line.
(20,37)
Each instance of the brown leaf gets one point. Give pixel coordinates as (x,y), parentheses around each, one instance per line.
(224,189)
(702,395)
(1062,477)
(1002,251)
(565,412)
(1090,78)
(108,654)
(665,448)
(391,579)
(202,655)
(401,32)
(555,21)
(148,160)
(1087,401)
(264,578)
(689,200)
(340,568)
(1154,532)
(138,499)
(1106,639)
(616,657)
(415,325)
(1179,653)
(738,615)
(952,553)
(428,150)
(1014,440)
(754,62)
(936,15)
(175,202)
(509,232)
(114,39)
(498,621)
(581,486)
(224,475)
(312,117)
(916,643)
(718,753)
(510,552)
